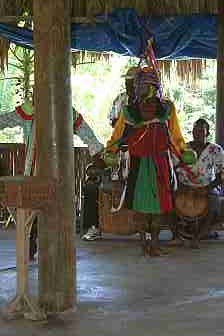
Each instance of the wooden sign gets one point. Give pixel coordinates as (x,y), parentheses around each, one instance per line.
(27,192)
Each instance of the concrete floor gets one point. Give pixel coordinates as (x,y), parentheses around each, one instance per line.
(122,293)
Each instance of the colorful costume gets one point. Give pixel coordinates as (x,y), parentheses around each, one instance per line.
(119,102)
(149,180)
(173,125)
(150,139)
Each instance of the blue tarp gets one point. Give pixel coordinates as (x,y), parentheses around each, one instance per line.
(124,32)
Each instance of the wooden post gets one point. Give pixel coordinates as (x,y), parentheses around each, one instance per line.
(54,136)
(220,76)
(23,303)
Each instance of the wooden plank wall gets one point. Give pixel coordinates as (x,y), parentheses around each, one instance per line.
(12,161)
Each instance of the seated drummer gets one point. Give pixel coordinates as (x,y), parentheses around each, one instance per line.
(207,162)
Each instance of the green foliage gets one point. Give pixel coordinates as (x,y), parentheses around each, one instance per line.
(10,135)
(7,95)
(15,87)
(194,103)
(94,87)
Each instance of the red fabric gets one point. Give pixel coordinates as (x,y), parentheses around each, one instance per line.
(149,140)
(78,122)
(153,141)
(22,114)
(163,183)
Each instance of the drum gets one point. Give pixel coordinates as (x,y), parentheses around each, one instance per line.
(191,202)
(191,206)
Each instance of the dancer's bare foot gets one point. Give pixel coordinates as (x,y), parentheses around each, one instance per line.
(154,251)
(175,242)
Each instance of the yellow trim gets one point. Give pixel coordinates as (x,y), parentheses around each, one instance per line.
(175,131)
(116,134)
(173,124)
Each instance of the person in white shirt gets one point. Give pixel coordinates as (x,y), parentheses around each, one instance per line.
(124,97)
(210,157)
(207,170)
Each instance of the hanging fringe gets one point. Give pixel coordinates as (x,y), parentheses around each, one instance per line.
(4,47)
(15,7)
(154,7)
(189,71)
(88,9)
(84,57)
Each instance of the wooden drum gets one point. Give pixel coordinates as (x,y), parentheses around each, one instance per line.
(191,202)
(191,205)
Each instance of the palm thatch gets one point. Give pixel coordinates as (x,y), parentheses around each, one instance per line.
(186,70)
(4,47)
(14,7)
(87,9)
(84,57)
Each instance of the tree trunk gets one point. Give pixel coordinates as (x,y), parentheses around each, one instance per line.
(54,136)
(220,76)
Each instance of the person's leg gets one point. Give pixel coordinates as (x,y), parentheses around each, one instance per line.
(141,228)
(209,221)
(213,214)
(154,222)
(91,215)
(33,240)
(172,221)
(206,231)
(196,234)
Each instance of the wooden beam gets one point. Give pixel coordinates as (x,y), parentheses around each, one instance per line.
(54,137)
(78,19)
(8,19)
(220,76)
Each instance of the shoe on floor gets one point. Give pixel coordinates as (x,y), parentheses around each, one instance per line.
(33,257)
(92,234)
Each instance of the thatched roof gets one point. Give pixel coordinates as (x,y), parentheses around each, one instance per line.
(89,8)
(148,7)
(11,10)
(186,70)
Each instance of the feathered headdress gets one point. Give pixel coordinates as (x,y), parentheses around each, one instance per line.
(148,75)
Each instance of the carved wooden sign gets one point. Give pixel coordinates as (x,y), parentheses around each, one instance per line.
(31,192)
